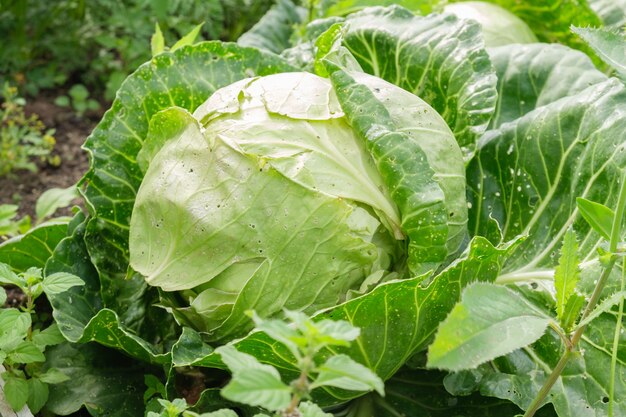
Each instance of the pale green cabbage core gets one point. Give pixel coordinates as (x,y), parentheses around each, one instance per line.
(499,26)
(265,199)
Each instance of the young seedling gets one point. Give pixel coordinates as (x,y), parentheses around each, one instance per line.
(179,406)
(260,385)
(22,344)
(24,140)
(10,225)
(78,98)
(157,42)
(47,204)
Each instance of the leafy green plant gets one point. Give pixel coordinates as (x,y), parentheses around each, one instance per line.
(157,41)
(53,199)
(40,42)
(177,406)
(260,385)
(227,177)
(24,140)
(23,340)
(9,224)
(78,99)
(466,338)
(42,39)
(47,204)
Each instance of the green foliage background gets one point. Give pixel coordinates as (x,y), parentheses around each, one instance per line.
(99,42)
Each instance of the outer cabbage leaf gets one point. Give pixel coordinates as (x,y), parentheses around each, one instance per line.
(528,173)
(103,381)
(33,248)
(612,12)
(550,20)
(80,314)
(417,393)
(273,31)
(531,76)
(526,177)
(413,52)
(499,27)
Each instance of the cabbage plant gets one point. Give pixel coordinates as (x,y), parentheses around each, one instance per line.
(274,200)
(457,203)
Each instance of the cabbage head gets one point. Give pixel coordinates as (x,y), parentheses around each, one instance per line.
(266,198)
(499,26)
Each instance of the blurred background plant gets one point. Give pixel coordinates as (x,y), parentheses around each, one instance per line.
(47,204)
(96,44)
(61,63)
(78,99)
(24,140)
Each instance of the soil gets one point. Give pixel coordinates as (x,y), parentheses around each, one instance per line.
(25,187)
(15,297)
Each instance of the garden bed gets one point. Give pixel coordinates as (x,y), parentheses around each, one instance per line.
(24,187)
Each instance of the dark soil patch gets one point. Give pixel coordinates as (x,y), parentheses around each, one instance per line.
(191,385)
(25,187)
(15,297)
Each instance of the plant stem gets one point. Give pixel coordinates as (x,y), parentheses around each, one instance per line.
(615,235)
(569,347)
(301,385)
(557,329)
(547,386)
(619,217)
(616,228)
(616,334)
(595,297)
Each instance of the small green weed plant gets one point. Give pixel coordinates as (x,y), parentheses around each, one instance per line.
(24,140)
(78,99)
(478,312)
(260,385)
(42,38)
(47,204)
(24,337)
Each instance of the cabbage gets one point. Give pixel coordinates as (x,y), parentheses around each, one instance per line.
(500,27)
(267,198)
